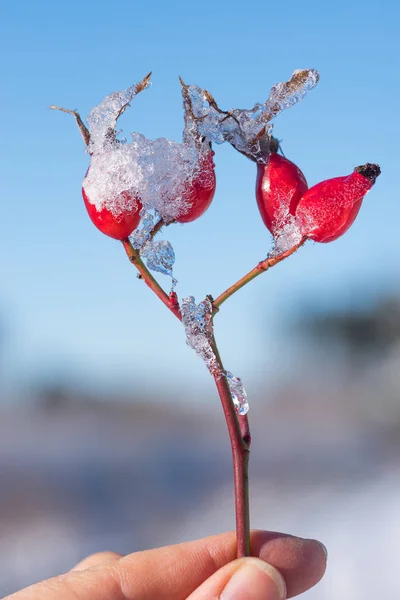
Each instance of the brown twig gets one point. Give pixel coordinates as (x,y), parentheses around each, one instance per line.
(157,228)
(240,439)
(238,429)
(170,301)
(238,426)
(262,266)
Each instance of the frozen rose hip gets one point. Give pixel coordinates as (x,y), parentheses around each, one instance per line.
(119,222)
(329,208)
(199,192)
(280,185)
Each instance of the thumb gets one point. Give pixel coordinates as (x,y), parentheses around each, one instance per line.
(243,579)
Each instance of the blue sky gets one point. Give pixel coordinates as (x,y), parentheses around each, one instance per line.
(72,305)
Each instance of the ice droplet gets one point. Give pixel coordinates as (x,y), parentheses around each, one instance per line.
(239,394)
(196,319)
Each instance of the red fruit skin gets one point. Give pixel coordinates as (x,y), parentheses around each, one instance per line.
(118,227)
(329,208)
(279,186)
(198,194)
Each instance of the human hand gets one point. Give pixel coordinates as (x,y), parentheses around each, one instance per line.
(201,570)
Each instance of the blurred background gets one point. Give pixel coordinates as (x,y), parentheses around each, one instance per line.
(111,433)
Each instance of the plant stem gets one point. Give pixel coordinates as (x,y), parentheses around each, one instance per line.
(239,435)
(240,457)
(169,301)
(262,266)
(238,425)
(157,228)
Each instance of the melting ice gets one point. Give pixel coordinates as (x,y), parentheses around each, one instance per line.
(238,393)
(160,256)
(249,130)
(196,319)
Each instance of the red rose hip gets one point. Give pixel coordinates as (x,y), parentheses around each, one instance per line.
(199,192)
(280,185)
(118,227)
(119,222)
(329,208)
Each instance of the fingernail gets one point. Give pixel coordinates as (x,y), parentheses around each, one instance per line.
(255,580)
(324,549)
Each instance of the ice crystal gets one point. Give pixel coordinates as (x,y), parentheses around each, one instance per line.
(160,256)
(142,235)
(249,131)
(286,236)
(238,393)
(286,230)
(196,319)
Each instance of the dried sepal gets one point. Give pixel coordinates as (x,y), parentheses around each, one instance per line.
(134,91)
(285,94)
(81,125)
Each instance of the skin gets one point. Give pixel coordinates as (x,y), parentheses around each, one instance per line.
(198,570)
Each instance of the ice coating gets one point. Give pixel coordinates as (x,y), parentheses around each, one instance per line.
(102,119)
(286,236)
(249,131)
(196,319)
(160,256)
(286,231)
(142,235)
(158,172)
(286,94)
(238,393)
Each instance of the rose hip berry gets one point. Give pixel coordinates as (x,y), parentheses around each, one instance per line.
(280,185)
(199,193)
(329,208)
(121,221)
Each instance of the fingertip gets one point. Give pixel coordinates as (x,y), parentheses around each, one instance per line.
(255,580)
(243,579)
(302,562)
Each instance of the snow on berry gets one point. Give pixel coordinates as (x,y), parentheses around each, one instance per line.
(166,176)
